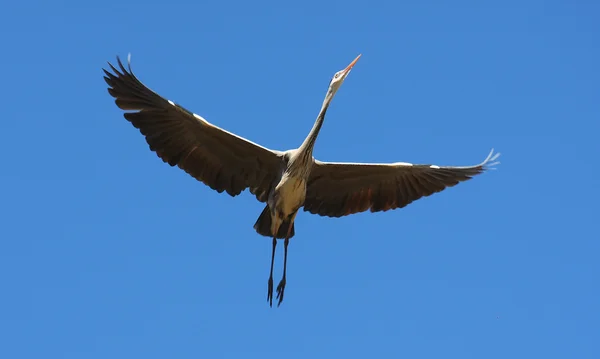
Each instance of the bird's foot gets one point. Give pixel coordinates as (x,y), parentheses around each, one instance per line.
(270,292)
(280,289)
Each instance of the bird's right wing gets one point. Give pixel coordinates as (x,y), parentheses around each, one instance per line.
(340,189)
(220,159)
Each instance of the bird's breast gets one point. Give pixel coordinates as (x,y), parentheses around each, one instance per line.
(289,194)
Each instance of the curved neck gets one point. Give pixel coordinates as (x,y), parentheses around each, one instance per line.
(309,143)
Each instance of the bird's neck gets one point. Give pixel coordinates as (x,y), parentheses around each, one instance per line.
(306,149)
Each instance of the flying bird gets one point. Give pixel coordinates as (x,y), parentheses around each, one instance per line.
(284,180)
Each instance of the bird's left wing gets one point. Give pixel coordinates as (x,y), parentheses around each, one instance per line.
(340,189)
(220,159)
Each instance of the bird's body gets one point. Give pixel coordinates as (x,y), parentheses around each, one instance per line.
(285,181)
(289,192)
(287,197)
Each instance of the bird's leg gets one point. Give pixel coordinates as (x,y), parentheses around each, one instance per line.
(281,285)
(270,290)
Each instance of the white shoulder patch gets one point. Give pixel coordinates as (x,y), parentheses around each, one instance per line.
(200,118)
(434,167)
(171,102)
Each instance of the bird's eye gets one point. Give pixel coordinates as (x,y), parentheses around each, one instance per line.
(336,75)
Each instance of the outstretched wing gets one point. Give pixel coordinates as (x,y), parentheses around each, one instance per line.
(340,189)
(220,159)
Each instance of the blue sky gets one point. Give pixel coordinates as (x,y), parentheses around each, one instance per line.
(106,252)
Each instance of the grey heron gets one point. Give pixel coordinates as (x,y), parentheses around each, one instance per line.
(284,180)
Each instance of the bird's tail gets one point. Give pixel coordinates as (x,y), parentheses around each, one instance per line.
(263,225)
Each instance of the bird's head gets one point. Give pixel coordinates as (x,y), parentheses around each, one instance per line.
(340,76)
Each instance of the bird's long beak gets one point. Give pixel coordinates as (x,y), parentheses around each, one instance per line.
(347,69)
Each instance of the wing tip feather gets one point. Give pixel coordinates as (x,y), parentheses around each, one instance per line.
(490,161)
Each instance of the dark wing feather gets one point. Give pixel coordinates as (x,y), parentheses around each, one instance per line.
(220,159)
(340,189)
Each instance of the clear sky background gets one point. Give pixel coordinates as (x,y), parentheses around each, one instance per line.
(106,252)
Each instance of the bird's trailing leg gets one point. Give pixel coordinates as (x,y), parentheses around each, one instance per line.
(281,285)
(270,290)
